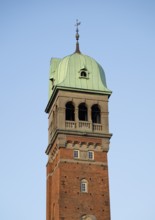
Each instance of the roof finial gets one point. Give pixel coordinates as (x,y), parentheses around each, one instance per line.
(77,36)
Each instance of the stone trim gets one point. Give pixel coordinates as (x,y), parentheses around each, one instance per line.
(86,91)
(52,156)
(76,133)
(86,146)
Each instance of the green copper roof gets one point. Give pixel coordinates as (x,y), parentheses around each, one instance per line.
(78,72)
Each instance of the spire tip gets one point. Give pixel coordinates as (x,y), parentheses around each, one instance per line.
(77,36)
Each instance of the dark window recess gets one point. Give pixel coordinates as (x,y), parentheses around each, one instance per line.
(70,115)
(83,115)
(76,153)
(83,74)
(96,114)
(52,82)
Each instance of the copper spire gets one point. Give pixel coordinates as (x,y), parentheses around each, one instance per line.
(77,36)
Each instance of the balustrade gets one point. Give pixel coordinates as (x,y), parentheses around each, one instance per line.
(83,125)
(97,127)
(70,124)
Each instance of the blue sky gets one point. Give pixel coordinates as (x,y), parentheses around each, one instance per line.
(120,35)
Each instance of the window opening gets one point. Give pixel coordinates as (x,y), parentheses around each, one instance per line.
(91,155)
(70,115)
(52,82)
(76,154)
(84,185)
(83,74)
(83,116)
(96,114)
(88,217)
(83,217)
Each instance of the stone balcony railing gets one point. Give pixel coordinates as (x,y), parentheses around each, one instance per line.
(85,125)
(70,124)
(97,127)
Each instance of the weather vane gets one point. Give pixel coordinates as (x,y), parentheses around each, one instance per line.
(77,29)
(77,36)
(77,24)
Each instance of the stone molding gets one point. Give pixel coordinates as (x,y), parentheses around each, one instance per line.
(78,134)
(86,146)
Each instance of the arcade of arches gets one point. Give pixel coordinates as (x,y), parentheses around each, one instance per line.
(83,113)
(80,114)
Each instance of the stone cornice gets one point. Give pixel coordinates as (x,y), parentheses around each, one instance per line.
(57,88)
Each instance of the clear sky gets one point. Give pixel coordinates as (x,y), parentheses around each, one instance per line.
(120,35)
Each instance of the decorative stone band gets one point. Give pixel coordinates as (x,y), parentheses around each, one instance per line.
(75,145)
(87,146)
(61,134)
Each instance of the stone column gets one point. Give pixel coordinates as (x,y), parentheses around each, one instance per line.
(76,117)
(104,115)
(89,117)
(60,118)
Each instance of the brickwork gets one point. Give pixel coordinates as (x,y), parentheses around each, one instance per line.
(65,200)
(64,173)
(73,203)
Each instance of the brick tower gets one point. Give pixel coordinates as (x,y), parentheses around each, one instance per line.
(78,139)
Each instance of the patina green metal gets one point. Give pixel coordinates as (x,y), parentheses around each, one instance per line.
(67,74)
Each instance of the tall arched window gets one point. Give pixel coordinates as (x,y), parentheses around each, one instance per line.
(70,115)
(88,217)
(84,186)
(96,114)
(83,115)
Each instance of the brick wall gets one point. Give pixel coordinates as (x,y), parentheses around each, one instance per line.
(64,174)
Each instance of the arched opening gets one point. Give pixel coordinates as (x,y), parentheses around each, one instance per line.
(83,217)
(70,115)
(96,114)
(83,115)
(83,73)
(88,217)
(84,186)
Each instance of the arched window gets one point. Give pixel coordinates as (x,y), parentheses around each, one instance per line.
(70,116)
(83,74)
(84,186)
(96,114)
(88,217)
(83,115)
(83,217)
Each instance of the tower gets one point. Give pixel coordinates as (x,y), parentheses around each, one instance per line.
(78,139)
